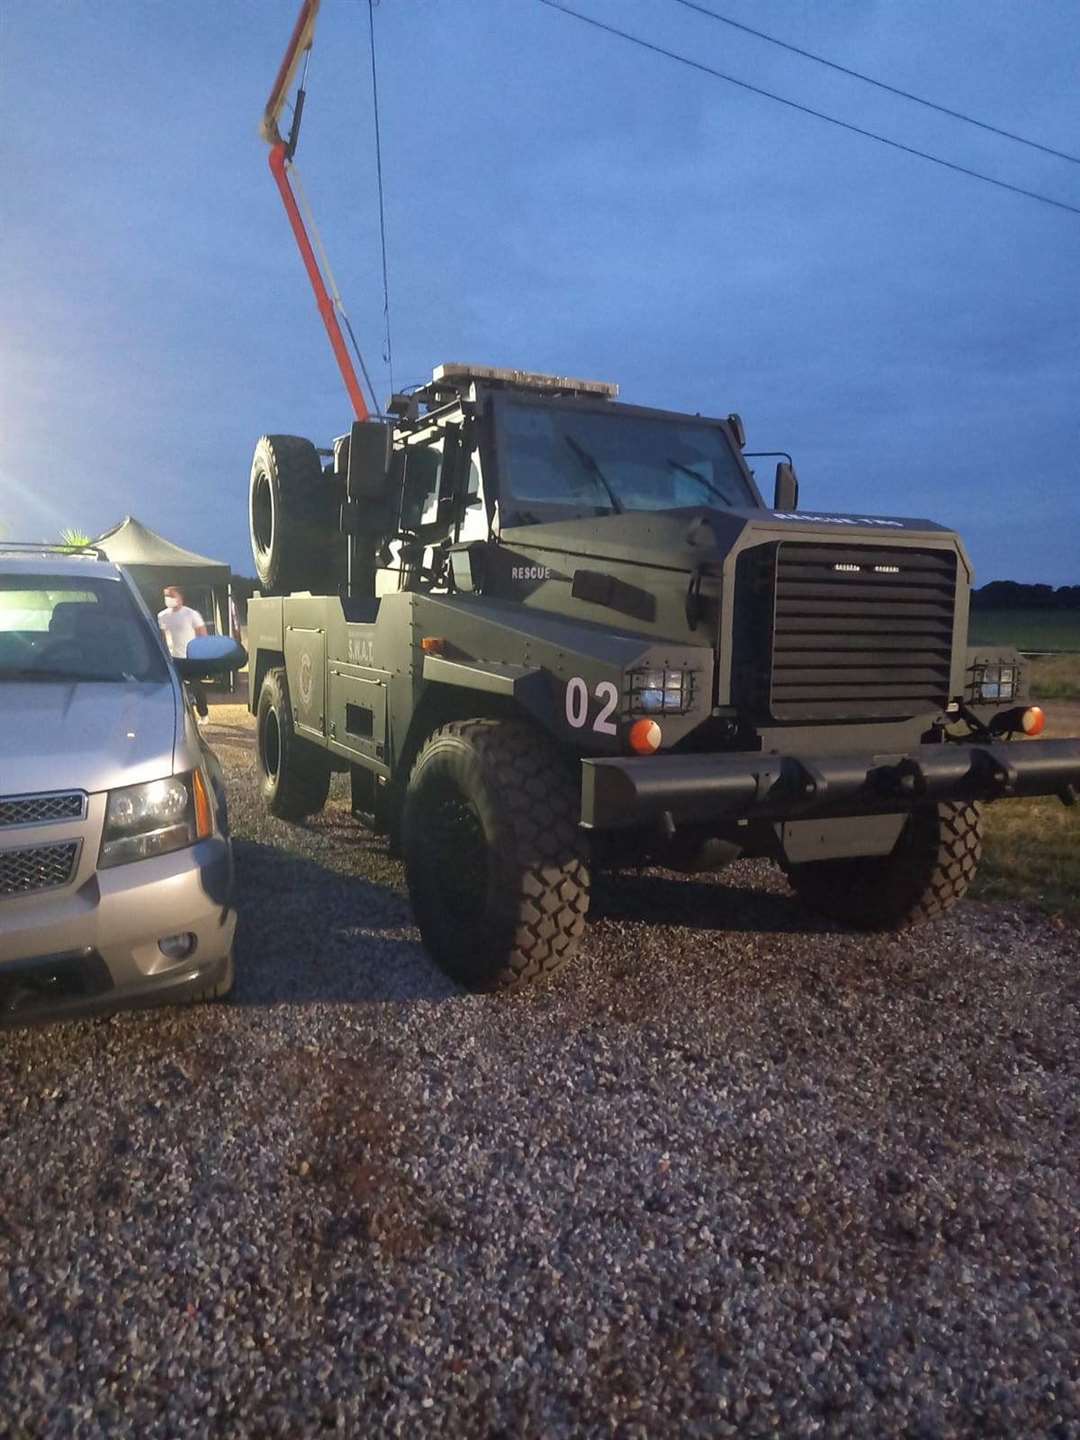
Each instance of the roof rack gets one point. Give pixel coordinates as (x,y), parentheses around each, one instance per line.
(34,547)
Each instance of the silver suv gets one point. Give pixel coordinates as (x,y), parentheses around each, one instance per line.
(115,862)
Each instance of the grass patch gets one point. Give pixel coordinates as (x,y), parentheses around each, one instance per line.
(1055,677)
(1032,847)
(1032,852)
(1026,629)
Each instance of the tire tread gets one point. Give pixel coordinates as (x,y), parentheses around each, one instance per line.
(540,801)
(931,868)
(303,781)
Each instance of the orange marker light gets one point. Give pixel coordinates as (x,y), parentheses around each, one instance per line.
(1033,721)
(433,644)
(645,737)
(204,814)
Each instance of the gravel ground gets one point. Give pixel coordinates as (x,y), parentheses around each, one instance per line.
(743,1174)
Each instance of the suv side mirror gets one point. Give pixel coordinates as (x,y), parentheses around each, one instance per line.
(787,487)
(370,445)
(210,655)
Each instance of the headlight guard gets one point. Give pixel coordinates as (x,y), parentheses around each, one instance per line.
(661,691)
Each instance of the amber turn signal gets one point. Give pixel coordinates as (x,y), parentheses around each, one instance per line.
(1033,720)
(645,737)
(433,644)
(204,814)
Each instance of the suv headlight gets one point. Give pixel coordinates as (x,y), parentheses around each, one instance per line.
(661,692)
(151,819)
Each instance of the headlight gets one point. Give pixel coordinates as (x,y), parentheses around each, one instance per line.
(151,819)
(991,683)
(661,692)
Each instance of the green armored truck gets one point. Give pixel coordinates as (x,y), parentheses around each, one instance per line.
(545,632)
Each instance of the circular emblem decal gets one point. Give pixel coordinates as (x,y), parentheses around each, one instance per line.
(306,679)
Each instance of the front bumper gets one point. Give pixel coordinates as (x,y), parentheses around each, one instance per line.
(95,947)
(620,793)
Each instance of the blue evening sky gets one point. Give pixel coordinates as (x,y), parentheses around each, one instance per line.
(558,200)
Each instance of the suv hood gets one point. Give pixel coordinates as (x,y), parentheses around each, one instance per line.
(84,735)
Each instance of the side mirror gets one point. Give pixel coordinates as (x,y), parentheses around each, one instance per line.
(211,655)
(787,487)
(737,429)
(370,446)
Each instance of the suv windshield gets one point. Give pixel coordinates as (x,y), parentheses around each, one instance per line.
(67,627)
(600,462)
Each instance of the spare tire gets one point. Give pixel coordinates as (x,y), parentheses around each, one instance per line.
(296,540)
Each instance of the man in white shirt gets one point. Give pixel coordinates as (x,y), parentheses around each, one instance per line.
(180,624)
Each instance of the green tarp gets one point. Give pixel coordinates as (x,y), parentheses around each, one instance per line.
(154,562)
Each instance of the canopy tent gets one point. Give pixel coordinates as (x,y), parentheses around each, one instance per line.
(154,562)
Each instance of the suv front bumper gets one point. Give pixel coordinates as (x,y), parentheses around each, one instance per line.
(96,947)
(619,793)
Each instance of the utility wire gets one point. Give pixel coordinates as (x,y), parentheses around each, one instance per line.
(807,110)
(880,84)
(388,354)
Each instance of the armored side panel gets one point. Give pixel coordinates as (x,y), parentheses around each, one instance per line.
(305,665)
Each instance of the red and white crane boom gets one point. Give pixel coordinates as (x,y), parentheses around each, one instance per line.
(281,155)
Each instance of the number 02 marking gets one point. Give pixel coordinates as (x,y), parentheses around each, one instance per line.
(577,705)
(603,724)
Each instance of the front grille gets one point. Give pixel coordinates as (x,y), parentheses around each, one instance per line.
(40,867)
(41,809)
(861,633)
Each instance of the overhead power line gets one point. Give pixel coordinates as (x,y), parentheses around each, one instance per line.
(880,84)
(808,110)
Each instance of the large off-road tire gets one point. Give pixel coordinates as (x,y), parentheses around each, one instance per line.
(493,854)
(293,512)
(294,774)
(930,868)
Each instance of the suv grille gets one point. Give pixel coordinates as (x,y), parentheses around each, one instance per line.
(41,867)
(41,809)
(861,632)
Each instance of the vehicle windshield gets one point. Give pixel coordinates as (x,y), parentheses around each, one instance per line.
(67,627)
(601,463)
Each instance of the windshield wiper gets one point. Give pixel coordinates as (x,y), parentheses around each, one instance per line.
(705,484)
(589,461)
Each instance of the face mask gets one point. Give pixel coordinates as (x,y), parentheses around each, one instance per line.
(172,602)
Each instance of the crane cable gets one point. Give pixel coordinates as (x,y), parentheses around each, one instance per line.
(388,354)
(331,282)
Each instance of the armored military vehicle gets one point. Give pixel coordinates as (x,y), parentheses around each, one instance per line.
(545,632)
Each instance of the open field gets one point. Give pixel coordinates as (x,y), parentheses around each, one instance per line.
(736,1172)
(1032,849)
(1026,629)
(1055,677)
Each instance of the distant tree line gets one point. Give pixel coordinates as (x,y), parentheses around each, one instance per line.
(1011,595)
